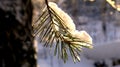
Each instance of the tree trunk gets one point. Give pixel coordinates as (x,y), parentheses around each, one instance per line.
(16,40)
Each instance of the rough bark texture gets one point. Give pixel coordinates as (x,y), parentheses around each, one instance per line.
(16,40)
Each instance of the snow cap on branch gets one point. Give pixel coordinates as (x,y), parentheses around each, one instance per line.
(68,22)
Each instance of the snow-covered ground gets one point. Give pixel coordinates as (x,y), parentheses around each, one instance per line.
(57,63)
(53,61)
(105,52)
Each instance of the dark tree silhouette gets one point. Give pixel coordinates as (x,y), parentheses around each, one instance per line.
(16,40)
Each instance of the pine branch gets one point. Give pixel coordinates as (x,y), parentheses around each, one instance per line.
(55,28)
(113,4)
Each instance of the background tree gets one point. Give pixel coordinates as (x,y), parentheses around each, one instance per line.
(16,40)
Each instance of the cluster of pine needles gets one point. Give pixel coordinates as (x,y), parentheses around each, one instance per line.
(45,27)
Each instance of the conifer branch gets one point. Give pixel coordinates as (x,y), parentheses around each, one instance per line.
(55,28)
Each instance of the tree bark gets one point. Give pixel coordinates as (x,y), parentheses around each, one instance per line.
(16,40)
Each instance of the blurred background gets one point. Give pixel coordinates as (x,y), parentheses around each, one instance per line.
(100,20)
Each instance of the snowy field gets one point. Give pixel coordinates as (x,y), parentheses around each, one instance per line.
(104,52)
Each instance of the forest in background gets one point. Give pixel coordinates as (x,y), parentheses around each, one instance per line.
(96,17)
